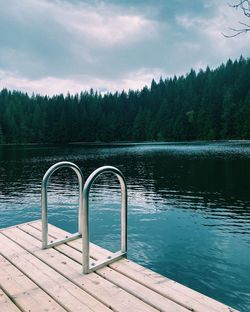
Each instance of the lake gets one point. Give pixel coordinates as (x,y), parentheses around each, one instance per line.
(189,206)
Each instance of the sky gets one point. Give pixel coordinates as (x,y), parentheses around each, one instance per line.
(59,46)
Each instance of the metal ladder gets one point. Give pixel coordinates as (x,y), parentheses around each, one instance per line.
(83,214)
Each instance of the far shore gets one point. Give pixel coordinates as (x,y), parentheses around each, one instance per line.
(128,142)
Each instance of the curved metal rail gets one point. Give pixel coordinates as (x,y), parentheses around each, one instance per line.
(45,181)
(85,220)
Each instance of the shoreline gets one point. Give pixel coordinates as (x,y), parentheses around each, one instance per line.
(127,142)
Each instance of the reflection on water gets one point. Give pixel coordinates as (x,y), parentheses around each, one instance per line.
(189,206)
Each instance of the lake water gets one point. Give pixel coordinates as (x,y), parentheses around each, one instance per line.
(189,206)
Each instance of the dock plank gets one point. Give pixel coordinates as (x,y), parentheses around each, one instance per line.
(6,305)
(98,287)
(147,295)
(71,297)
(25,293)
(55,274)
(168,288)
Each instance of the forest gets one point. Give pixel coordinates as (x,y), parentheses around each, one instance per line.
(210,104)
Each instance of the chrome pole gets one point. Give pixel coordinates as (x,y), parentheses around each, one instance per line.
(124,216)
(85,218)
(45,181)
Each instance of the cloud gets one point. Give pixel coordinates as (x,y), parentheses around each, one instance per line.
(64,38)
(214,47)
(108,31)
(60,45)
(54,85)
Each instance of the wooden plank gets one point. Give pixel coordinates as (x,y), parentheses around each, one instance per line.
(106,292)
(164,286)
(26,294)
(140,291)
(134,288)
(181,294)
(6,305)
(29,222)
(68,295)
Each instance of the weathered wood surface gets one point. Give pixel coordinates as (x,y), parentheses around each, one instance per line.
(32,279)
(6,305)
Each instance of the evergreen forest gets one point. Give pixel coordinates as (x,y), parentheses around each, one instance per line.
(205,105)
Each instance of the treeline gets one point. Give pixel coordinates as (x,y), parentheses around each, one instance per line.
(210,104)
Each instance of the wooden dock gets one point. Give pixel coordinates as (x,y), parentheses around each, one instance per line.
(32,279)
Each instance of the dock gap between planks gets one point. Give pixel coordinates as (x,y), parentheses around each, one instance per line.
(32,279)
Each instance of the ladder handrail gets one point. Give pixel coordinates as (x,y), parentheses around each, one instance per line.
(85,218)
(45,181)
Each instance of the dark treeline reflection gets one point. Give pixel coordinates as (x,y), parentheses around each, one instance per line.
(210,104)
(188,212)
(211,178)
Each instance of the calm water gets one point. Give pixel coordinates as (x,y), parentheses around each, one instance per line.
(189,206)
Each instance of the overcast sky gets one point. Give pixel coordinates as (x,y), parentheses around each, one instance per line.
(56,46)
